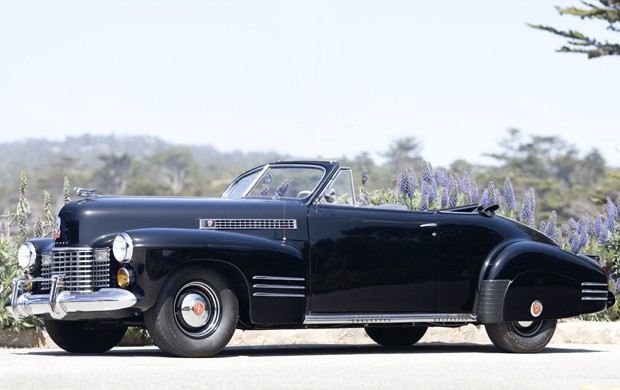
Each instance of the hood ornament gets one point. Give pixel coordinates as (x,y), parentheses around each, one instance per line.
(86,193)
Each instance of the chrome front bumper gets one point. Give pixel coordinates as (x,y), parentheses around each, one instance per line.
(59,303)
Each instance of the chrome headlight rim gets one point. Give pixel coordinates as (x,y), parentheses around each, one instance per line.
(27,256)
(122,248)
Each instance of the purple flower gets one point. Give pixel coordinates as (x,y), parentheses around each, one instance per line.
(602,236)
(407,182)
(543,226)
(509,194)
(454,196)
(402,182)
(485,197)
(574,235)
(491,195)
(424,204)
(444,197)
(466,184)
(583,231)
(364,176)
(441,177)
(474,192)
(456,182)
(551,229)
(282,188)
(427,171)
(612,214)
(265,190)
(498,198)
(432,195)
(449,183)
(617,285)
(528,208)
(598,225)
(575,243)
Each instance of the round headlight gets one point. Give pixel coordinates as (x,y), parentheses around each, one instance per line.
(26,256)
(122,248)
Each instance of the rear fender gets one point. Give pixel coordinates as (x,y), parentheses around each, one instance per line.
(526,281)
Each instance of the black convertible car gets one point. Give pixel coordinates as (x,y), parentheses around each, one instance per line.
(286,247)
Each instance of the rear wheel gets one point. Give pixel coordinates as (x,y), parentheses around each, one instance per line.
(195,315)
(521,336)
(396,336)
(83,336)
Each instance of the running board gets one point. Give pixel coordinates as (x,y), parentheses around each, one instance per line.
(393,318)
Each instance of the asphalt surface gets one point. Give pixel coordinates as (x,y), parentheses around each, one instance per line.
(423,366)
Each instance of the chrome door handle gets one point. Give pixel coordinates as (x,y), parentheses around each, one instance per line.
(430,226)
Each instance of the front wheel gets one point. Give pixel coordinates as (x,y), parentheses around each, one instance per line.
(396,336)
(83,336)
(521,336)
(195,315)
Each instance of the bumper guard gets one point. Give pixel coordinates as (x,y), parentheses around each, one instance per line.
(59,303)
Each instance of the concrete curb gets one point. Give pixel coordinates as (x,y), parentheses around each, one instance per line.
(569,332)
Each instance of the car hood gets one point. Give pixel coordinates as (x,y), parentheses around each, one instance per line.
(95,222)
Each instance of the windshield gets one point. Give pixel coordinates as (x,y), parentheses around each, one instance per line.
(282,181)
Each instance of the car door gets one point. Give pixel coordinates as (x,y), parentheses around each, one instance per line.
(372,259)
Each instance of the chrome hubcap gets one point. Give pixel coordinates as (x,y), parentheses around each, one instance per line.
(197,309)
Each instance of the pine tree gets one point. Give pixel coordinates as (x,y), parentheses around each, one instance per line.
(608,11)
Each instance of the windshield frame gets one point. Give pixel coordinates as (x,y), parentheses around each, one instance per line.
(261,171)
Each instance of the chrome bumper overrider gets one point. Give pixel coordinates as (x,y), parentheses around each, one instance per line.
(59,303)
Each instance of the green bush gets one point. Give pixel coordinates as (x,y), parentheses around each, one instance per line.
(9,270)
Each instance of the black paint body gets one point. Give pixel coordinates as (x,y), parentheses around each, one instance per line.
(352,259)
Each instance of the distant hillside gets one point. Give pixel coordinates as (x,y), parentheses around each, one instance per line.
(46,162)
(38,153)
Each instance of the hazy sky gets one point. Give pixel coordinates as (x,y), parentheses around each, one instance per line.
(308,78)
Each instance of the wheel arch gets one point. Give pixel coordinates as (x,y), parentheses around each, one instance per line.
(527,280)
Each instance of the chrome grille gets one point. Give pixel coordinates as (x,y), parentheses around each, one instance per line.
(241,224)
(83,273)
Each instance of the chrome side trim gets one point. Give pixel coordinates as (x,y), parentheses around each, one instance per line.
(278,283)
(394,318)
(278,286)
(594,292)
(282,278)
(593,284)
(278,295)
(595,298)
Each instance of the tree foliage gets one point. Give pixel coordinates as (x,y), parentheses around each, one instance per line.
(607,11)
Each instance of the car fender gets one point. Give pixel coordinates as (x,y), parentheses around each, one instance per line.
(527,280)
(243,258)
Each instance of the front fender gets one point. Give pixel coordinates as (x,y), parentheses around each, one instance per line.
(525,281)
(159,251)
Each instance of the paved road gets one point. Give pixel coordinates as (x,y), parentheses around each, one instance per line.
(424,366)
